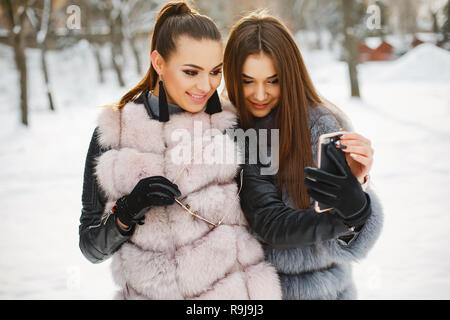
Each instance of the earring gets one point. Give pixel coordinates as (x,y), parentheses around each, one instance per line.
(213,105)
(163,106)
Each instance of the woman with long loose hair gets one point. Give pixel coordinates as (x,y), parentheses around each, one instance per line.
(174,229)
(266,79)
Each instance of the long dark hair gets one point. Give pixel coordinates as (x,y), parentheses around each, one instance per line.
(259,33)
(174,20)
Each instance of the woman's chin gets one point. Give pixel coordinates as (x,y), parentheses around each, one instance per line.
(193,107)
(260,113)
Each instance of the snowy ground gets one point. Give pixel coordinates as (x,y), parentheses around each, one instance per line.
(404,110)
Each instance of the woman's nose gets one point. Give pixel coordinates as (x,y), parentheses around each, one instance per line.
(260,94)
(204,84)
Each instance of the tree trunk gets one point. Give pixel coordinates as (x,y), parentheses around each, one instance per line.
(446,27)
(87,18)
(351,46)
(46,78)
(117,61)
(19,53)
(98,58)
(17,42)
(115,26)
(136,54)
(42,41)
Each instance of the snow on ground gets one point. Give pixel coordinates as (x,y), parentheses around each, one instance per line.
(427,63)
(404,110)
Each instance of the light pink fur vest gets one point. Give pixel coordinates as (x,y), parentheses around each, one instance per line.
(175,255)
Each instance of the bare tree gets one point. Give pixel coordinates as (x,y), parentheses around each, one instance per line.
(446,26)
(403,16)
(118,23)
(115,23)
(138,21)
(41,27)
(124,18)
(15,16)
(89,18)
(111,13)
(129,33)
(351,45)
(318,15)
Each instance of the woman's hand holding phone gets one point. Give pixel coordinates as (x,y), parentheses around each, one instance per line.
(341,191)
(358,153)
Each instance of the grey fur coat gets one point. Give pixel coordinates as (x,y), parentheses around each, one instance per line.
(324,270)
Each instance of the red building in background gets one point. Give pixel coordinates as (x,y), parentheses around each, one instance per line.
(383,52)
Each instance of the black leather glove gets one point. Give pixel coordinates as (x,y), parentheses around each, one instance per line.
(148,192)
(343,192)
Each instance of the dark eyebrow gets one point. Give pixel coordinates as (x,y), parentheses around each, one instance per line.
(246,76)
(200,68)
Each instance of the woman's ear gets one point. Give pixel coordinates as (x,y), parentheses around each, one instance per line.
(157,62)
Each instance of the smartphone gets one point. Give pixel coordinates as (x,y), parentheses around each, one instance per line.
(325,163)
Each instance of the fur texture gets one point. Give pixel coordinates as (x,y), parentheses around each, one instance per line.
(323,270)
(174,255)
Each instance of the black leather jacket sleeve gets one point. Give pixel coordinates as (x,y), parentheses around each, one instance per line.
(100,235)
(275,223)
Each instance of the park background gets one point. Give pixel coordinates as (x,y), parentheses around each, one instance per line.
(385,63)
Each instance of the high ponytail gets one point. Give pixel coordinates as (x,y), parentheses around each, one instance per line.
(169,10)
(175,19)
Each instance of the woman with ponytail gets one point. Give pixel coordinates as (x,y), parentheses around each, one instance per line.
(174,229)
(266,79)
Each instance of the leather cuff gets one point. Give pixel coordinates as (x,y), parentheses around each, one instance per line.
(124,232)
(360,218)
